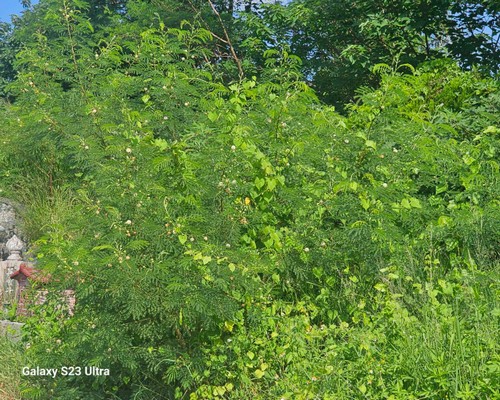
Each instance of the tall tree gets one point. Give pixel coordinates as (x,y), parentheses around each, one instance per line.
(339,41)
(7,53)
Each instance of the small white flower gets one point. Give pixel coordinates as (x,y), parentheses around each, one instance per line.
(191,239)
(394,150)
(346,140)
(86,147)
(165,117)
(205,238)
(128,222)
(186,103)
(233,147)
(384,184)
(128,150)
(306,249)
(228,245)
(323,244)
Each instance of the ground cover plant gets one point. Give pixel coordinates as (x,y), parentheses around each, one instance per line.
(11,362)
(230,236)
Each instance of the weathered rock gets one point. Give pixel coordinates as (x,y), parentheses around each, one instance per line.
(11,329)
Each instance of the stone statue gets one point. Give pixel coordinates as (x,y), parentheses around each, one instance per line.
(8,225)
(12,252)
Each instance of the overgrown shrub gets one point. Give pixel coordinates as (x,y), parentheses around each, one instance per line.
(243,240)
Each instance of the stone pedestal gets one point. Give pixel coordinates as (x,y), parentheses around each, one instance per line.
(8,287)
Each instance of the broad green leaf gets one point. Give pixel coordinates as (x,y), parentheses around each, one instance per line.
(259,373)
(406,204)
(371,144)
(206,260)
(415,203)
(259,183)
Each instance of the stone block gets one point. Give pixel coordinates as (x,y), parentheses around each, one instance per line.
(11,329)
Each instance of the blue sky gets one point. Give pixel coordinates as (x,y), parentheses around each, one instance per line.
(9,7)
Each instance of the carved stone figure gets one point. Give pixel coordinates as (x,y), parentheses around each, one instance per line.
(8,225)
(11,252)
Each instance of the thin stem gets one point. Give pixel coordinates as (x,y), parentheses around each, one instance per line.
(228,40)
(72,43)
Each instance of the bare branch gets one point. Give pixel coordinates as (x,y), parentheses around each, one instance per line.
(228,40)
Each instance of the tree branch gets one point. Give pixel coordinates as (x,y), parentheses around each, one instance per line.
(228,40)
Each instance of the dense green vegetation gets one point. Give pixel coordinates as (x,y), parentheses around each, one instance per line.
(230,235)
